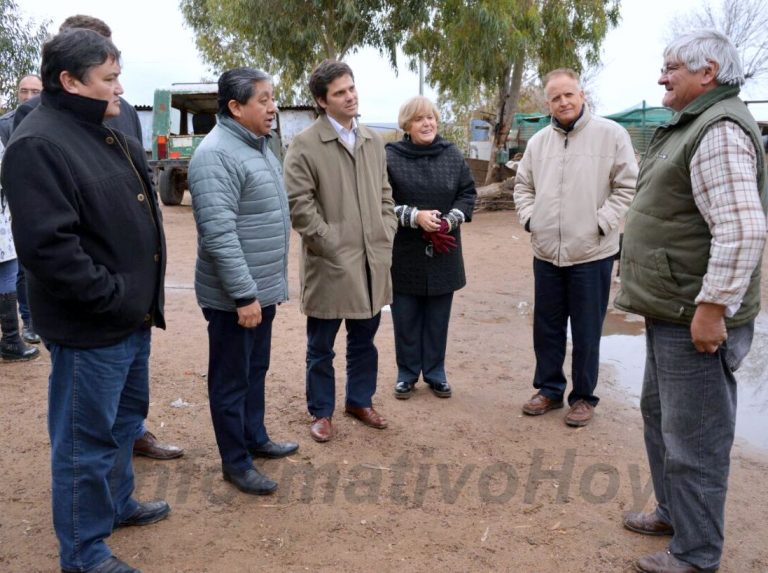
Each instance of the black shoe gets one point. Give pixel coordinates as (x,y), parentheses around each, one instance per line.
(30,336)
(441,389)
(251,482)
(12,347)
(148,512)
(274,450)
(404,390)
(18,352)
(111,565)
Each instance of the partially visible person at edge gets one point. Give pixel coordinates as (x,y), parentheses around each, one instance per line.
(434,194)
(690,265)
(146,443)
(29,86)
(241,275)
(94,294)
(573,187)
(341,205)
(12,347)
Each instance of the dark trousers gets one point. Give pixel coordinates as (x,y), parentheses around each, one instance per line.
(579,292)
(421,335)
(21,296)
(237,367)
(362,363)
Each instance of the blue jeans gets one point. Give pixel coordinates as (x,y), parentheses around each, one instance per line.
(97,396)
(421,335)
(688,404)
(362,363)
(8,276)
(579,292)
(238,360)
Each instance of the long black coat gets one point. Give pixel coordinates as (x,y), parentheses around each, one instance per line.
(433,176)
(86,224)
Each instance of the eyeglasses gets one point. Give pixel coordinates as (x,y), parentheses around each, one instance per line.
(669,68)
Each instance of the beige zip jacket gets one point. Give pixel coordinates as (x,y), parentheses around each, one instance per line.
(573,189)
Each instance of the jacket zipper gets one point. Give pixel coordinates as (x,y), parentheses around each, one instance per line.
(283,200)
(560,210)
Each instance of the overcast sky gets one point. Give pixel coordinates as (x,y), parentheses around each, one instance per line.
(157,50)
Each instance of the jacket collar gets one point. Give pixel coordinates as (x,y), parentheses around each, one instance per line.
(703,102)
(243,134)
(329,133)
(83,108)
(584,117)
(407,148)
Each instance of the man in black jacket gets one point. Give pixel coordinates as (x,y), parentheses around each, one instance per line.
(96,265)
(128,123)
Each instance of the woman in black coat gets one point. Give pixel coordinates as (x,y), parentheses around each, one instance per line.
(434,194)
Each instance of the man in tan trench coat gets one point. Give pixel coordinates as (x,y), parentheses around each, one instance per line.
(341,205)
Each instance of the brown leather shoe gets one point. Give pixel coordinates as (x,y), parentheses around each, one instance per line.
(663,562)
(540,404)
(367,416)
(321,429)
(147,445)
(646,523)
(580,413)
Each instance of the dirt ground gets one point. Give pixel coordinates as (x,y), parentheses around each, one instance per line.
(466,484)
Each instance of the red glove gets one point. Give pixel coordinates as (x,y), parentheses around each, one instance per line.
(441,241)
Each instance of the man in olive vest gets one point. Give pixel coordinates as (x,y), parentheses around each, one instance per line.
(690,265)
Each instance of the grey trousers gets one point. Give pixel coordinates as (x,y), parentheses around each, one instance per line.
(688,404)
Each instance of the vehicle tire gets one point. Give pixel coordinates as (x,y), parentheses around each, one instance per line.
(171,185)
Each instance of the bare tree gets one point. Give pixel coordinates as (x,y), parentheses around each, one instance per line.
(745,22)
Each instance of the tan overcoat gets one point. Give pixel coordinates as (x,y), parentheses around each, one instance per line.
(341,205)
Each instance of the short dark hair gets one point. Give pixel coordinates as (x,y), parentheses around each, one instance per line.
(324,74)
(238,84)
(87,22)
(76,51)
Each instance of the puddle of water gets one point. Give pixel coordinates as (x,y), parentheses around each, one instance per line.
(620,323)
(623,348)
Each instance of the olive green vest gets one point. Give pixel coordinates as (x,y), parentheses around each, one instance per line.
(666,243)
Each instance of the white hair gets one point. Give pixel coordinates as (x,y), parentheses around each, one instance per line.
(697,49)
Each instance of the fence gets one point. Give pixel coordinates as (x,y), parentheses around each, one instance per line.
(640,122)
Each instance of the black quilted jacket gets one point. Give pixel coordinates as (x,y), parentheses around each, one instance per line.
(433,176)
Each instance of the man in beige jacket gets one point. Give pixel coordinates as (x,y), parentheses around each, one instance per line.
(574,185)
(341,205)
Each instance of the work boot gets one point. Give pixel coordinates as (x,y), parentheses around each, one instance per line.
(12,347)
